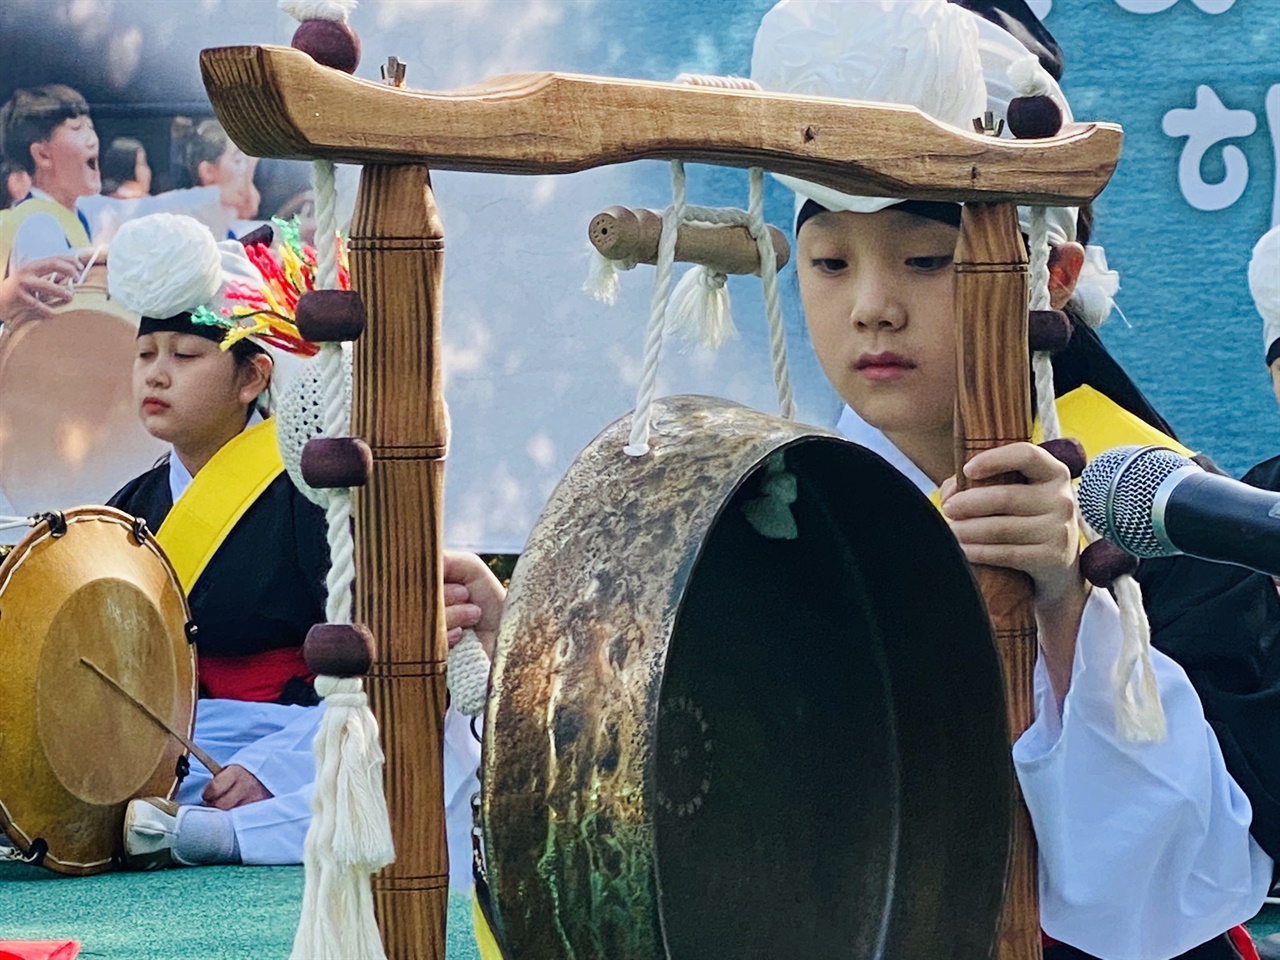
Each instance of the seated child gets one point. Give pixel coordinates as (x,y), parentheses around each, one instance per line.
(249,548)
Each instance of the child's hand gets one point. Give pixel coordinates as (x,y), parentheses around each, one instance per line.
(1029,526)
(233,787)
(472,598)
(1032,527)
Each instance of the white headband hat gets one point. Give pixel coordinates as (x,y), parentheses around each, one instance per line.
(1264,284)
(939,57)
(165,264)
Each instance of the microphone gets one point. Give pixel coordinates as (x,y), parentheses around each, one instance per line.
(1152,502)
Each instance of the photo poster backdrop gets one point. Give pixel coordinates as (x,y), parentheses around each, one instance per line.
(535,368)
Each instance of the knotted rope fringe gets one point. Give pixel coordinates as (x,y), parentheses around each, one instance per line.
(1139,714)
(350,833)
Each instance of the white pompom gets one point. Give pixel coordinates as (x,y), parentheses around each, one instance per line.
(318,9)
(602,280)
(163,265)
(1028,78)
(1264,283)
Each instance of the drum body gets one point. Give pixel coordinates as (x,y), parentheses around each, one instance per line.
(69,429)
(73,749)
(704,742)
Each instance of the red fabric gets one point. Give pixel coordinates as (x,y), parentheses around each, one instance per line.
(258,677)
(38,949)
(1241,940)
(1239,937)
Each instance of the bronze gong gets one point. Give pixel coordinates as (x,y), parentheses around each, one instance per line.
(703,742)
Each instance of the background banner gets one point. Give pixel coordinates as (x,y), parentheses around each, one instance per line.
(535,367)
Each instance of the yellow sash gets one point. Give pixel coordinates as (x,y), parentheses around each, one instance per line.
(10,220)
(1099,423)
(216,499)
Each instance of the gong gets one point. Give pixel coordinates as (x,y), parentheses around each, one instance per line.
(703,741)
(90,584)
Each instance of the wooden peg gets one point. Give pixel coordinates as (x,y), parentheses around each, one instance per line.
(330,43)
(1069,451)
(338,649)
(1048,330)
(330,462)
(620,233)
(1102,562)
(329,316)
(1034,118)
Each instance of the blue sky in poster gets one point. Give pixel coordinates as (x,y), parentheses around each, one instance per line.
(535,368)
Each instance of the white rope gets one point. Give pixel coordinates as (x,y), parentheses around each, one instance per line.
(350,833)
(12,523)
(1139,714)
(1041,362)
(638,441)
(772,307)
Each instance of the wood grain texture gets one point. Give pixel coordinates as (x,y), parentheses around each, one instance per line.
(398,409)
(277,102)
(619,233)
(993,407)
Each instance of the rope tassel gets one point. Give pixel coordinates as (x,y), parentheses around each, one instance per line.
(699,309)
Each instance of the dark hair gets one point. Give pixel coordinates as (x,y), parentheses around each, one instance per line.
(119,163)
(31,116)
(204,142)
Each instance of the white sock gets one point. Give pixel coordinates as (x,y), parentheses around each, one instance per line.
(205,835)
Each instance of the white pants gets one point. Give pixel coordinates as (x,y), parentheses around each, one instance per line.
(273,742)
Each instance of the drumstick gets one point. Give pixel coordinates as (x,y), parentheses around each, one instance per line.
(211,764)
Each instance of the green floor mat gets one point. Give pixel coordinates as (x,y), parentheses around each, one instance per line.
(209,913)
(206,913)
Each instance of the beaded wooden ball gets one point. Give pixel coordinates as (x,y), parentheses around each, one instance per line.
(329,42)
(1034,118)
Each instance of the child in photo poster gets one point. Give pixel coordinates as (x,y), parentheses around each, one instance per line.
(249,548)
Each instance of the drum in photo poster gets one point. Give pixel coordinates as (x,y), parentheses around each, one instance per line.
(69,430)
(94,638)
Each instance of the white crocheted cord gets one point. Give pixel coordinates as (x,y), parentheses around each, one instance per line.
(300,417)
(318,9)
(467,675)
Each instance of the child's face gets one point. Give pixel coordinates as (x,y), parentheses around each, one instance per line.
(67,163)
(189,391)
(878,292)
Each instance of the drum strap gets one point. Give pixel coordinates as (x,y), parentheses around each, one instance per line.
(219,495)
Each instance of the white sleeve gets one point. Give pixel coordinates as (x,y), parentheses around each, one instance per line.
(283,760)
(1145,849)
(106,214)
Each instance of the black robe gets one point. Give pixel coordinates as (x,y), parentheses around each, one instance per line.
(265,586)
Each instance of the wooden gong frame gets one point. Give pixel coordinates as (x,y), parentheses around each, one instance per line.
(277,102)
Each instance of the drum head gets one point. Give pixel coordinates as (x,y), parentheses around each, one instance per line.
(705,741)
(69,430)
(74,749)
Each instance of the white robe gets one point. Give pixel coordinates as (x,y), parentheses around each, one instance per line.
(1145,849)
(273,742)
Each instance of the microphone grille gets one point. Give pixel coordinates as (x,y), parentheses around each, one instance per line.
(1117,494)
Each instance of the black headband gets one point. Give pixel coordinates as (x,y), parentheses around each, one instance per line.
(182,323)
(948,213)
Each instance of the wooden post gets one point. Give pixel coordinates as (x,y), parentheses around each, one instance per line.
(397,251)
(993,407)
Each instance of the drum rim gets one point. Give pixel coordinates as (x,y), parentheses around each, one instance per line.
(48,529)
